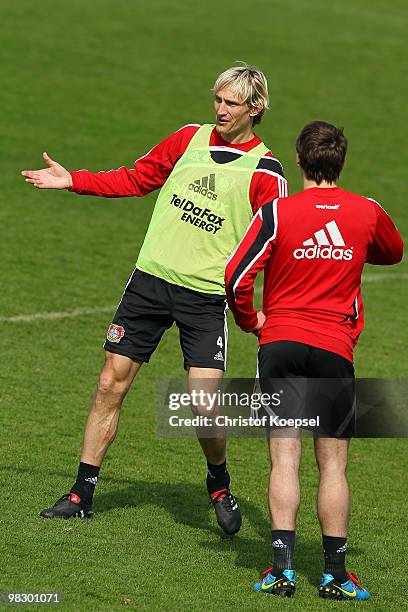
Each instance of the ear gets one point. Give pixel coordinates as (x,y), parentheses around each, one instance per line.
(254,111)
(297,160)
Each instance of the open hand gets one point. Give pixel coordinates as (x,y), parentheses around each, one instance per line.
(53,177)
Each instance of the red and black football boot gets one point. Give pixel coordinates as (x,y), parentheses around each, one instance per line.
(68,506)
(226,510)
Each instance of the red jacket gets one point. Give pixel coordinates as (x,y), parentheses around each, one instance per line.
(313,246)
(151,171)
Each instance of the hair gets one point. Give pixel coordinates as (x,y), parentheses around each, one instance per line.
(321,148)
(249,83)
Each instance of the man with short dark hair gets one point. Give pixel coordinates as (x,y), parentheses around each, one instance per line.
(213,178)
(312,247)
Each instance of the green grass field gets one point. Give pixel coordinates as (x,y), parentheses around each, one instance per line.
(97,84)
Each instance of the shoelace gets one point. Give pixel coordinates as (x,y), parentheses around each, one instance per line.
(269,570)
(65,496)
(225,498)
(68,496)
(354,579)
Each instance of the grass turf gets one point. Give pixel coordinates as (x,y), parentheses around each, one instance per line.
(96,85)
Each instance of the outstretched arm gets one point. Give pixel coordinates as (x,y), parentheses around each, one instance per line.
(148,173)
(54,176)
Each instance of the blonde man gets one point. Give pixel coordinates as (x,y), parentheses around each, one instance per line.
(213,178)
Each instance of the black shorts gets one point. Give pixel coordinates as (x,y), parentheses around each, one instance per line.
(314,382)
(150,305)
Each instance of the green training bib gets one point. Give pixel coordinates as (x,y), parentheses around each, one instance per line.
(201,214)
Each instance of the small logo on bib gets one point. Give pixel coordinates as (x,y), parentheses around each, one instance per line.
(205,186)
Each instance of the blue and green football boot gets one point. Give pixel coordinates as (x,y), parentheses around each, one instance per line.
(331,589)
(282,584)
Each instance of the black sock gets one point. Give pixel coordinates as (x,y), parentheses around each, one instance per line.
(335,557)
(85,483)
(217,477)
(283,543)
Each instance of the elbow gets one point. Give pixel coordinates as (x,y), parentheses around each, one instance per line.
(394,259)
(398,253)
(387,257)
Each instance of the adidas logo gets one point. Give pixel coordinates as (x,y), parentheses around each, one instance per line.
(205,186)
(219,356)
(92,480)
(328,243)
(278,544)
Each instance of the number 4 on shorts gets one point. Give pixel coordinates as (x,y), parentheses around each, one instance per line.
(219,342)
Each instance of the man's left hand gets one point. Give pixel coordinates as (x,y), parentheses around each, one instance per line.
(260,324)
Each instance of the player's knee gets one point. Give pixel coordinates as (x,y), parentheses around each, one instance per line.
(285,453)
(331,454)
(285,465)
(202,410)
(332,464)
(110,383)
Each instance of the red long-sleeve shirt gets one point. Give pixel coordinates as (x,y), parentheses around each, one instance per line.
(151,171)
(313,246)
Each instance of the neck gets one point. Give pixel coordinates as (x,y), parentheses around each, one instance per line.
(307,184)
(237,138)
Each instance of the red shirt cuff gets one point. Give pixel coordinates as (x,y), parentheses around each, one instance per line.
(248,322)
(75,182)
